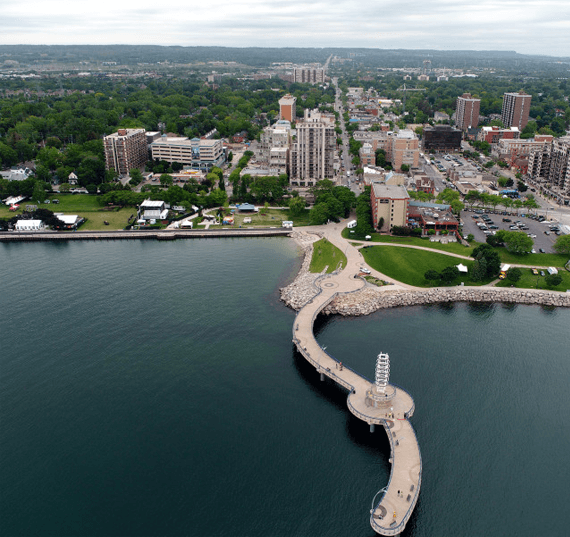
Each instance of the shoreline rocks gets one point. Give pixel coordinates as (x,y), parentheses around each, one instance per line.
(371,299)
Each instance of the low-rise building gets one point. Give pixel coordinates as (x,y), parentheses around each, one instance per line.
(199,153)
(432,216)
(152,210)
(441,138)
(30,225)
(493,134)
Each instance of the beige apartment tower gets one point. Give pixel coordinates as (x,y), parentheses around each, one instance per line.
(516,108)
(312,155)
(125,150)
(467,112)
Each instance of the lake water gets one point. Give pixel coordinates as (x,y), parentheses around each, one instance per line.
(151,388)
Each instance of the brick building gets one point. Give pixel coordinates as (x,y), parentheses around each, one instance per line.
(516,108)
(467,112)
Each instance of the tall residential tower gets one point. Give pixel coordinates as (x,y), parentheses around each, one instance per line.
(467,112)
(516,108)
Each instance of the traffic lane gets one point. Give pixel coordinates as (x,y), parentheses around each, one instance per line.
(542,240)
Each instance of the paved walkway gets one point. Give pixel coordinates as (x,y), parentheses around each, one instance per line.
(398,501)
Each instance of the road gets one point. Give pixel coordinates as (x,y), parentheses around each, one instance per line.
(346,165)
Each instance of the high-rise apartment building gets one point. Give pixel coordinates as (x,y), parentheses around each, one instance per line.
(288,108)
(550,165)
(309,75)
(274,146)
(516,108)
(125,150)
(312,155)
(467,112)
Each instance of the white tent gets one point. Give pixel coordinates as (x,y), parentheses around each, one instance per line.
(462,268)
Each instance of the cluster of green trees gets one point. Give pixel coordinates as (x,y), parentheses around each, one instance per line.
(493,200)
(447,275)
(487,263)
(331,202)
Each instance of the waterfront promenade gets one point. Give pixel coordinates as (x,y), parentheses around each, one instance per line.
(390,515)
(151,234)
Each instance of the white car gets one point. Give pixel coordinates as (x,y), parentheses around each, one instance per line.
(364,270)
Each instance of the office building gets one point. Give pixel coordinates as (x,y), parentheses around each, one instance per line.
(442,138)
(199,153)
(125,150)
(467,112)
(516,108)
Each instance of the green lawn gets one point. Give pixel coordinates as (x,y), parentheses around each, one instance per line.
(533,260)
(326,254)
(270,218)
(454,247)
(544,260)
(84,205)
(529,281)
(408,265)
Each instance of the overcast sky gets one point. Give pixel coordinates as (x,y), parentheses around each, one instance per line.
(526,26)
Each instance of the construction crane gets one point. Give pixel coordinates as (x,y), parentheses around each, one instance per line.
(405,90)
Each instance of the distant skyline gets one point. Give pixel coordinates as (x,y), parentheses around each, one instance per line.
(524,26)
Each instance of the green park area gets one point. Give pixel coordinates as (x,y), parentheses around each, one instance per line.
(326,255)
(528,280)
(532,260)
(270,218)
(84,205)
(408,265)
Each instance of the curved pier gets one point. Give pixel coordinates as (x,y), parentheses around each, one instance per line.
(390,515)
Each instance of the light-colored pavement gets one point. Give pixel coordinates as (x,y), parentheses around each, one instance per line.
(398,501)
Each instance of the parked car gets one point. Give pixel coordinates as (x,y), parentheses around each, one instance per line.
(541,250)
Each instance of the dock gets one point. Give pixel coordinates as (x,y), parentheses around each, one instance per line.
(399,497)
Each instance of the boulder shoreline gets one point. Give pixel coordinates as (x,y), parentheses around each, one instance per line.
(372,298)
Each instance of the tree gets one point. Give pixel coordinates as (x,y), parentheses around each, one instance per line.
(136,177)
(552,280)
(64,187)
(514,274)
(479,270)
(492,259)
(562,244)
(297,206)
(448,274)
(432,275)
(381,223)
(405,168)
(517,242)
(166,179)
(39,193)
(521,186)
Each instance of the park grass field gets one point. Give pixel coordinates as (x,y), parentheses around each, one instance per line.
(532,260)
(84,205)
(271,218)
(327,255)
(409,265)
(531,281)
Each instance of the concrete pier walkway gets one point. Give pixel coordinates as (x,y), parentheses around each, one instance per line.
(390,515)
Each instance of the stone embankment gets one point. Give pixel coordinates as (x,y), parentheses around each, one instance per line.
(367,301)
(303,288)
(371,299)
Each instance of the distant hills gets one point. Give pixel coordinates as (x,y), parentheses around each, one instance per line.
(263,57)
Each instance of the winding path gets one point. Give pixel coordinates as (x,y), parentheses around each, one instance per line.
(390,515)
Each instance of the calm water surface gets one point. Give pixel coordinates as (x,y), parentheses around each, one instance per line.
(152,389)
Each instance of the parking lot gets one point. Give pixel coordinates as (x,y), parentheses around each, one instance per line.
(542,240)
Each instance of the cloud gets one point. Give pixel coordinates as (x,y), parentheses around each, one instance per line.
(444,24)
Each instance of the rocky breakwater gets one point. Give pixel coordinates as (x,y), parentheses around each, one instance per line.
(368,300)
(303,288)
